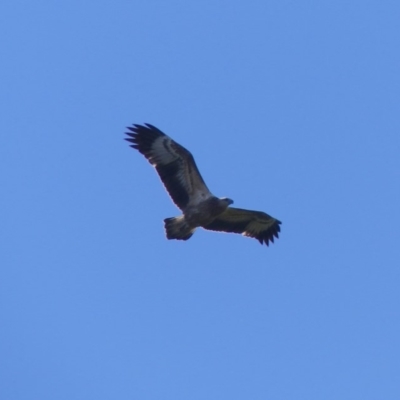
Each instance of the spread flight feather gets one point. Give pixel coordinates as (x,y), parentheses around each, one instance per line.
(178,171)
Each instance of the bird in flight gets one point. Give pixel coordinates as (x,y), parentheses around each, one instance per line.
(200,208)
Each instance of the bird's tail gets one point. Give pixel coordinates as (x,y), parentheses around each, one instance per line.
(177,228)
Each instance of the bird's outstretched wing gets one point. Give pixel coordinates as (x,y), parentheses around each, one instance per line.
(255,224)
(175,165)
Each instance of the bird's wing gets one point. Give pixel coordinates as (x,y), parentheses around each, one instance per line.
(175,165)
(255,224)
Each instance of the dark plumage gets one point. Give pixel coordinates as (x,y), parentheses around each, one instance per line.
(178,172)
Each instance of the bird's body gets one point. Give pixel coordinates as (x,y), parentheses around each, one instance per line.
(196,215)
(204,212)
(200,208)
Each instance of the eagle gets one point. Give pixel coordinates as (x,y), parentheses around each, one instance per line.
(200,208)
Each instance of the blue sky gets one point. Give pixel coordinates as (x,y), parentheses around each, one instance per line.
(288,107)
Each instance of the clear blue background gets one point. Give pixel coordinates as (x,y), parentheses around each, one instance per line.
(290,107)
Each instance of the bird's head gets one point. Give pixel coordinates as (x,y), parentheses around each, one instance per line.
(227,201)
